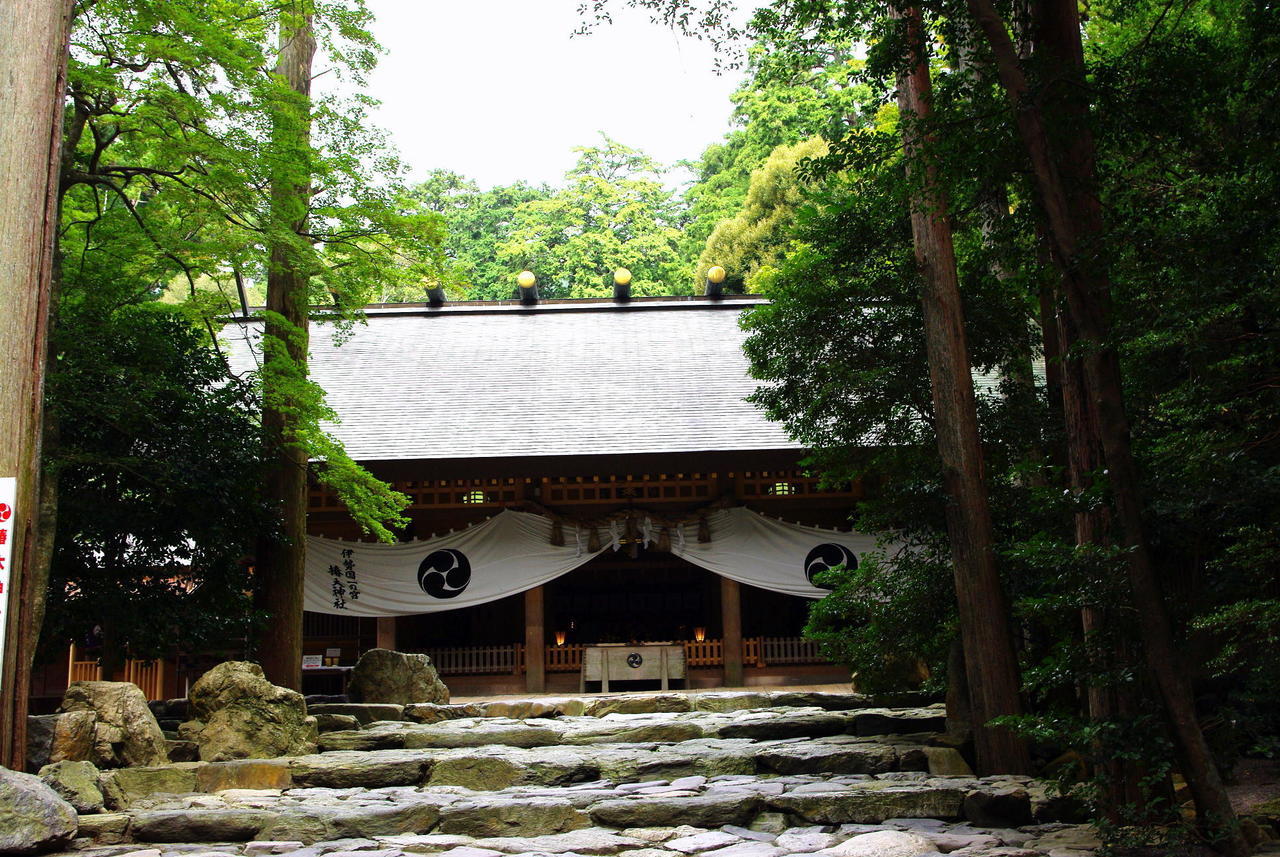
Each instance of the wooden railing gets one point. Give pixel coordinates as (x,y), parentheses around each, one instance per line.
(82,670)
(790,650)
(564,659)
(756,651)
(147,675)
(477,660)
(708,653)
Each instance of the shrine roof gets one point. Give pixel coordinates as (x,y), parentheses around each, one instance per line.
(498,379)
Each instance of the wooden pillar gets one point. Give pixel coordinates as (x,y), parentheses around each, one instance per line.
(731,619)
(535,636)
(387,632)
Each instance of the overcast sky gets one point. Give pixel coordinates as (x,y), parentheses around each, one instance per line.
(498,90)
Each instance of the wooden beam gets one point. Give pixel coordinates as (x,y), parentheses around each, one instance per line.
(387,632)
(731,620)
(535,637)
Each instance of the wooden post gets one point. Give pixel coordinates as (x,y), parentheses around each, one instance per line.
(33,52)
(387,632)
(731,619)
(535,669)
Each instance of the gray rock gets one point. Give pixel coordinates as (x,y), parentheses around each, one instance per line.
(198,825)
(612,733)
(32,815)
(364,713)
(504,817)
(334,722)
(702,811)
(747,849)
(384,676)
(244,716)
(946,762)
(106,828)
(122,787)
(182,751)
(430,712)
(76,783)
(883,843)
(589,840)
(804,843)
(648,704)
(348,819)
(359,739)
(477,772)
(793,726)
(372,770)
(125,732)
(255,849)
(884,722)
(872,805)
(822,757)
(480,733)
(731,701)
(701,842)
(60,737)
(424,843)
(1005,807)
(528,709)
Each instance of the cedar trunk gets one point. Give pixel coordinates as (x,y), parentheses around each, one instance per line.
(285,338)
(990,663)
(1063,170)
(33,52)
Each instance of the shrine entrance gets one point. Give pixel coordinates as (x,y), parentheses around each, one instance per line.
(731,634)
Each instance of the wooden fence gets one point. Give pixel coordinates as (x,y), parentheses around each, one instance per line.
(478,660)
(510,659)
(147,675)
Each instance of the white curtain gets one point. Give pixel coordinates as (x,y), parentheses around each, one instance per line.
(512,552)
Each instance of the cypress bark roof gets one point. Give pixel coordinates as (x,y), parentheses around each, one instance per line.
(495,379)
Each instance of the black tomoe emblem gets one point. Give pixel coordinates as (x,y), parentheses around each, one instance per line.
(825,557)
(634,660)
(444,573)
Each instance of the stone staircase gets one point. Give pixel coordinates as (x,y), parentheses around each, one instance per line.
(716,774)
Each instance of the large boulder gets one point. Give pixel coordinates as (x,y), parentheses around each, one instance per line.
(76,783)
(66,737)
(126,733)
(32,816)
(240,715)
(382,675)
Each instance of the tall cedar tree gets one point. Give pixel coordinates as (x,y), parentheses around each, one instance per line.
(280,561)
(990,663)
(1064,172)
(33,51)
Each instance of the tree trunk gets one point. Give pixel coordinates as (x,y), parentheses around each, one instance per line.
(33,52)
(990,662)
(1065,182)
(281,560)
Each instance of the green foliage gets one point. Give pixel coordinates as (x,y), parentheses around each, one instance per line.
(160,471)
(613,212)
(477,222)
(778,105)
(755,237)
(176,134)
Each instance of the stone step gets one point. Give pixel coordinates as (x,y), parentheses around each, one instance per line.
(308,815)
(494,767)
(602,705)
(757,724)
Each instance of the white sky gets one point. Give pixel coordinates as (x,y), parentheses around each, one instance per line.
(498,91)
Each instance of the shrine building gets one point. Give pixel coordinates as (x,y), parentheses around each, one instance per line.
(595,466)
(585,476)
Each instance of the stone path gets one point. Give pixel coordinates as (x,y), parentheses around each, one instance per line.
(725,774)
